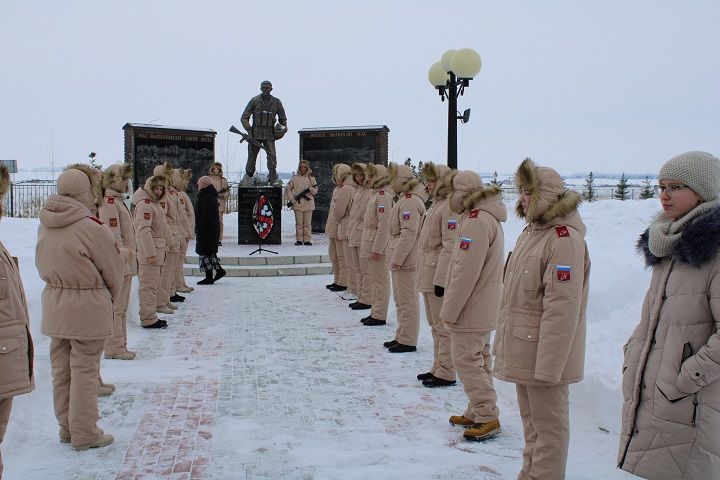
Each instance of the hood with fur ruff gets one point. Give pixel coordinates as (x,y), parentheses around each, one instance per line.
(147,190)
(340,173)
(383,175)
(548,197)
(4,180)
(308,172)
(213,165)
(115,176)
(74,186)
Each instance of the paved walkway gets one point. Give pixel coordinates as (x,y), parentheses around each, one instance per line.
(277,379)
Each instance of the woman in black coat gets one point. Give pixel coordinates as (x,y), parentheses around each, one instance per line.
(207,223)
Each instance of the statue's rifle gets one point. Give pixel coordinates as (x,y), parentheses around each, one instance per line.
(247,138)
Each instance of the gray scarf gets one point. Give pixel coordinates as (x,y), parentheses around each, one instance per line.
(665,232)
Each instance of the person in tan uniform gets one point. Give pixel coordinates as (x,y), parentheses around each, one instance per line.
(472,298)
(355,226)
(221,185)
(151,247)
(169,202)
(376,233)
(540,341)
(16,342)
(181,179)
(303,184)
(80,262)
(406,219)
(341,214)
(114,213)
(437,243)
(337,254)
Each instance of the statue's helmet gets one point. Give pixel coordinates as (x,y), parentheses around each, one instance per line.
(280,131)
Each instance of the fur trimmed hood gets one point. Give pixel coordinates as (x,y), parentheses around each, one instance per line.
(359,167)
(4,180)
(698,243)
(116,175)
(434,173)
(166,171)
(72,184)
(154,181)
(444,187)
(383,176)
(467,192)
(404,179)
(549,199)
(216,164)
(308,172)
(340,172)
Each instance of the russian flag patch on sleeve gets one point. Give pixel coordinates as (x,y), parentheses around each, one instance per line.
(564,273)
(452,224)
(465,243)
(406,215)
(381,208)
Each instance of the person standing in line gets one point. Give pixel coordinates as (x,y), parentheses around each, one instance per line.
(355,231)
(208,226)
(341,205)
(151,239)
(337,253)
(221,185)
(167,296)
(406,219)
(80,262)
(181,178)
(471,303)
(16,342)
(114,213)
(376,234)
(303,184)
(540,341)
(437,243)
(671,369)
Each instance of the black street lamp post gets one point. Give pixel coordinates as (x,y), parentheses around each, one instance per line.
(450,76)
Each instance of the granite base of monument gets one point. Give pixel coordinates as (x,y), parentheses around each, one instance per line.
(249,198)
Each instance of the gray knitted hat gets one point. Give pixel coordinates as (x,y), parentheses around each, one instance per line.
(698,170)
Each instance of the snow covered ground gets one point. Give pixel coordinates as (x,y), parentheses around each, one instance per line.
(276,378)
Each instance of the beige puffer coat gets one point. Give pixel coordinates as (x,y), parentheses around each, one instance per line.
(541,333)
(376,221)
(439,231)
(298,184)
(474,279)
(181,178)
(406,220)
(171,206)
(342,196)
(114,213)
(356,216)
(16,345)
(671,372)
(340,172)
(79,260)
(221,185)
(150,225)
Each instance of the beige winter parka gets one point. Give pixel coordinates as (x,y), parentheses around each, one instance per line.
(439,232)
(671,370)
(405,221)
(221,185)
(16,345)
(376,221)
(340,172)
(79,260)
(170,204)
(540,339)
(341,202)
(114,213)
(356,220)
(474,278)
(150,222)
(298,184)
(181,178)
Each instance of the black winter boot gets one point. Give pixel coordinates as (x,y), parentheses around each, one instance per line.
(220,273)
(208,280)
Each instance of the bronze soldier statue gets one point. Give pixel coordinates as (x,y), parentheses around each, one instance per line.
(263,109)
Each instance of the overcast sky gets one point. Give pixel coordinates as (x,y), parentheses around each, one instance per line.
(576,85)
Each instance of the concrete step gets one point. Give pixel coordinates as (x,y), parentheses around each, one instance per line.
(266,266)
(265,270)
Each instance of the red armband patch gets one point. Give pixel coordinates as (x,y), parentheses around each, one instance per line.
(147,201)
(408,195)
(110,200)
(473,213)
(113,222)
(381,192)
(146,216)
(562,231)
(96,220)
(162,204)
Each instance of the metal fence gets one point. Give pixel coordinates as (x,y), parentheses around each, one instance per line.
(601,193)
(24,200)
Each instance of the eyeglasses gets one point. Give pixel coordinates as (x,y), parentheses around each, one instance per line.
(672,189)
